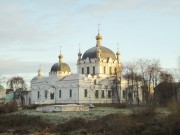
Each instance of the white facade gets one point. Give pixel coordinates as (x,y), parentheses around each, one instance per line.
(95,81)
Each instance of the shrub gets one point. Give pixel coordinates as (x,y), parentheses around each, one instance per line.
(19,123)
(9,107)
(71,125)
(172,123)
(174,106)
(120,105)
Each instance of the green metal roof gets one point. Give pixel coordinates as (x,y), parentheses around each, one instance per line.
(1,87)
(9,96)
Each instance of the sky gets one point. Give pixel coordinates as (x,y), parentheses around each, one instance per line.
(32,31)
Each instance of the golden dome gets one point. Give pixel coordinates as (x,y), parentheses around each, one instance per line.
(118,52)
(98,50)
(39,72)
(98,37)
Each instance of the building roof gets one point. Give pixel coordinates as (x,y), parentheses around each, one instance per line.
(1,87)
(60,67)
(105,53)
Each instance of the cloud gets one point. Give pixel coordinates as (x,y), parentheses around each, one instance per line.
(12,66)
(102,8)
(166,7)
(37,23)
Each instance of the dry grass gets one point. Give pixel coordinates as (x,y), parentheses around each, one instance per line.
(174,106)
(8,107)
(21,124)
(145,121)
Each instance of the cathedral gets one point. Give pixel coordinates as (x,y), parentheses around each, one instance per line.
(97,79)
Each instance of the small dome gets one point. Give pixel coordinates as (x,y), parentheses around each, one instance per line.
(39,72)
(118,52)
(60,67)
(105,53)
(79,54)
(36,78)
(98,37)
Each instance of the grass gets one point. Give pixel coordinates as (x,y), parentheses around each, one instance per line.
(65,116)
(99,121)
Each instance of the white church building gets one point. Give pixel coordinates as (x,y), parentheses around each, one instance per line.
(96,80)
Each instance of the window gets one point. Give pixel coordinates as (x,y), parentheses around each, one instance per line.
(96,94)
(102,94)
(93,70)
(109,94)
(115,71)
(82,70)
(45,93)
(85,93)
(38,94)
(87,70)
(52,95)
(104,70)
(70,93)
(110,72)
(30,101)
(59,93)
(124,93)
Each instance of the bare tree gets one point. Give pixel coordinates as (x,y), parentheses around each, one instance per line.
(143,65)
(129,75)
(166,77)
(137,79)
(18,85)
(150,72)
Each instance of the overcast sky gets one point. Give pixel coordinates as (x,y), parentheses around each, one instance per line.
(32,31)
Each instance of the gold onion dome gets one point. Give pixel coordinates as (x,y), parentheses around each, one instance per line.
(39,72)
(118,52)
(60,66)
(98,50)
(60,56)
(99,37)
(105,52)
(79,53)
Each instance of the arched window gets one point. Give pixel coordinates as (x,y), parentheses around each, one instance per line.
(70,93)
(93,70)
(104,69)
(45,93)
(52,95)
(102,94)
(110,70)
(82,70)
(115,71)
(85,93)
(87,70)
(38,94)
(59,93)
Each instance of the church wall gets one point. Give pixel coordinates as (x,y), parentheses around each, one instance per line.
(88,63)
(90,97)
(69,92)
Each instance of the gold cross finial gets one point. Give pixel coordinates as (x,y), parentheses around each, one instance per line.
(99,28)
(79,47)
(60,49)
(117,46)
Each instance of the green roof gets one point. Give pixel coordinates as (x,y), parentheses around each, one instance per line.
(9,96)
(1,87)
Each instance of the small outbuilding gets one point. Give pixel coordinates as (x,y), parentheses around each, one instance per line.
(62,108)
(165,92)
